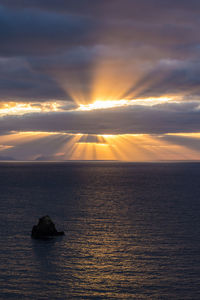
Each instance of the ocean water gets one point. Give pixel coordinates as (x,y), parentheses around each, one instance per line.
(132,231)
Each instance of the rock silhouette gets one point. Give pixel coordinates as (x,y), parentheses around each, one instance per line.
(45,228)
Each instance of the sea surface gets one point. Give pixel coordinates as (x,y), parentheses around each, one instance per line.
(132,230)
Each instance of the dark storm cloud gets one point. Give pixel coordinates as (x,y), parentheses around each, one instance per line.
(32,43)
(49,30)
(30,32)
(20,83)
(132,8)
(165,118)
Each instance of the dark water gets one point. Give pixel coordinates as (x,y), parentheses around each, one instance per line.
(132,231)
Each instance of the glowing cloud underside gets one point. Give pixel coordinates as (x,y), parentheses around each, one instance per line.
(106,104)
(15,108)
(19,108)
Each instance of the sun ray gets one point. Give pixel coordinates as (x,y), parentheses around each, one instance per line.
(124,147)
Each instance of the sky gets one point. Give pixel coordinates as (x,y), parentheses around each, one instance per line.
(99,80)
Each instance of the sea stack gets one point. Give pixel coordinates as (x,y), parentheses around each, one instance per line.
(45,228)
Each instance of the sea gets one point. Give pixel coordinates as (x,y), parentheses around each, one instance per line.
(132,230)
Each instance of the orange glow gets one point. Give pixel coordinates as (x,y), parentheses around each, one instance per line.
(5,147)
(67,146)
(20,108)
(127,147)
(186,134)
(105,104)
(113,79)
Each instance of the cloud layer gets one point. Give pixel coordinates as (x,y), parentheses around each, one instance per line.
(75,52)
(159,119)
(48,47)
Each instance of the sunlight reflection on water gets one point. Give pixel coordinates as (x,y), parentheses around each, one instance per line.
(132,231)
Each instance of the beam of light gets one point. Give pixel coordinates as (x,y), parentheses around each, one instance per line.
(125,71)
(69,147)
(113,74)
(130,147)
(110,70)
(125,147)
(93,151)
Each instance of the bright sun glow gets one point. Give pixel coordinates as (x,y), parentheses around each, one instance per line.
(19,108)
(106,104)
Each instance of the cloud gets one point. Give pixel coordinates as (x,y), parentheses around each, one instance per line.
(113,7)
(159,119)
(25,32)
(49,48)
(6,158)
(82,50)
(19,82)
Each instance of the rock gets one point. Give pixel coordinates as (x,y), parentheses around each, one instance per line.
(45,228)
